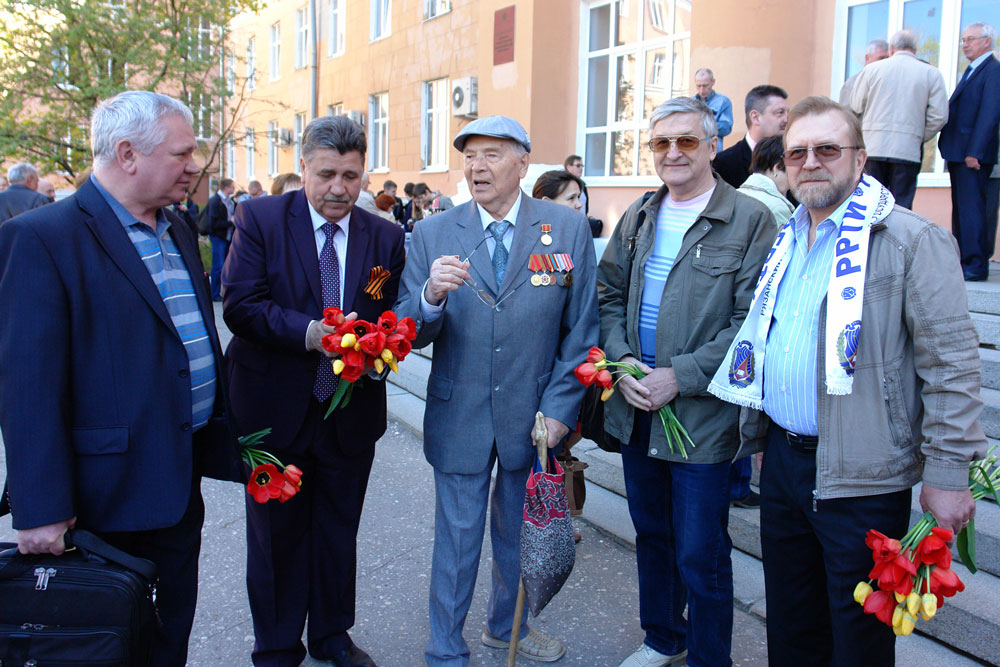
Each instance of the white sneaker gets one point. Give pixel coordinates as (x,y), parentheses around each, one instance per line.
(647,657)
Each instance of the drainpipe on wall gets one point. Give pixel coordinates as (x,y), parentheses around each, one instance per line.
(314,79)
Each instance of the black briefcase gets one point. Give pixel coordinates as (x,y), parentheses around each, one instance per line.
(93,605)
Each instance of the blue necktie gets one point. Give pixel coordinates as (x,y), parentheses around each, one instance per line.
(968,71)
(498,229)
(329,278)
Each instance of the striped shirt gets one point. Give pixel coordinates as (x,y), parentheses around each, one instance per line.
(792,341)
(172,280)
(672,222)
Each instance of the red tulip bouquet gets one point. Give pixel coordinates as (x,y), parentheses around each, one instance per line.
(365,346)
(914,574)
(269,477)
(598,370)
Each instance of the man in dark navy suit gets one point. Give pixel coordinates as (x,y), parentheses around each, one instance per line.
(292,256)
(969,143)
(112,397)
(766,109)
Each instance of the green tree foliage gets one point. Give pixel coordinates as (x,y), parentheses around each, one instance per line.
(58,58)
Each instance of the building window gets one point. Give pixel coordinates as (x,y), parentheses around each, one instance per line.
(300,126)
(380,19)
(637,56)
(336,109)
(275,51)
(251,148)
(202,113)
(378,131)
(231,158)
(938,25)
(251,63)
(272,148)
(434,8)
(231,72)
(434,124)
(204,39)
(301,38)
(335,43)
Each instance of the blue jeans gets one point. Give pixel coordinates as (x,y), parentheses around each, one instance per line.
(740,473)
(219,250)
(681,517)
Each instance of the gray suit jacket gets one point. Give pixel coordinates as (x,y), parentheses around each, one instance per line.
(493,370)
(17,199)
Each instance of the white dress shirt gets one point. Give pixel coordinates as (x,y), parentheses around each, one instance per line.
(340,235)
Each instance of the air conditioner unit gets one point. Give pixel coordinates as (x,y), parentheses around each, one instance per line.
(465,97)
(285,137)
(357,116)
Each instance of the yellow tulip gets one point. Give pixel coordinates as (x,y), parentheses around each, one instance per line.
(387,355)
(862,591)
(393,365)
(913,603)
(897,631)
(906,627)
(900,597)
(338,366)
(897,616)
(606,394)
(379,365)
(929,605)
(348,341)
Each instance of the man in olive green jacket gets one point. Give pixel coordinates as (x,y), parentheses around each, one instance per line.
(674,286)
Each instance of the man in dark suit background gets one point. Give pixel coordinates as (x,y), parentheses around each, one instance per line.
(969,143)
(292,256)
(116,439)
(22,194)
(220,225)
(766,109)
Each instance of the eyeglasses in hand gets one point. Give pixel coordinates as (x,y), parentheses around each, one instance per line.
(482,294)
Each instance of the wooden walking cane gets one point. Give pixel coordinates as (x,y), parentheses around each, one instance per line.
(540,434)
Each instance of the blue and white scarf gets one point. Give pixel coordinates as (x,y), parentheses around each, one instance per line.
(739,379)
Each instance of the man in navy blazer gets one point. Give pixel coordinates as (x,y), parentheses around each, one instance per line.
(112,399)
(292,256)
(969,143)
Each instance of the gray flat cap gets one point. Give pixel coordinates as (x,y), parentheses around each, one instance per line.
(493,126)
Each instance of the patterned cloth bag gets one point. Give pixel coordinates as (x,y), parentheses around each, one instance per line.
(547,548)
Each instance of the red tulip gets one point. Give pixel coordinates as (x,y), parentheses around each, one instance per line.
(398,345)
(895,575)
(354,365)
(287,491)
(372,344)
(408,328)
(331,342)
(933,549)
(293,475)
(387,322)
(605,379)
(945,583)
(333,317)
(596,355)
(882,604)
(265,482)
(357,327)
(883,548)
(586,373)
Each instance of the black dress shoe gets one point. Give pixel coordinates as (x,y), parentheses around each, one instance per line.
(971,278)
(352,657)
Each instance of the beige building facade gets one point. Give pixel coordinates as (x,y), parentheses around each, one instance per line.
(582,76)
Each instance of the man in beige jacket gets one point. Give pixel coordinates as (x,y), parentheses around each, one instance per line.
(902,103)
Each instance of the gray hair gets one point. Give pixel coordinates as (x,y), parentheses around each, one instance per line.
(875,46)
(21,172)
(339,133)
(989,32)
(904,40)
(705,70)
(132,116)
(686,105)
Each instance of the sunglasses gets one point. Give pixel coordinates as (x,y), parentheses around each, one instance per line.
(483,295)
(823,153)
(685,142)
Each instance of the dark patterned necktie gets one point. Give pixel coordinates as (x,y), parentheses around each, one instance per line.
(329,278)
(498,229)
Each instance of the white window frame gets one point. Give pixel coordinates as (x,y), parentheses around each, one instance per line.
(202,116)
(435,106)
(338,28)
(301,37)
(639,49)
(379,19)
(335,109)
(299,128)
(272,148)
(378,148)
(231,72)
(948,61)
(252,63)
(275,61)
(231,157)
(435,8)
(205,30)
(251,153)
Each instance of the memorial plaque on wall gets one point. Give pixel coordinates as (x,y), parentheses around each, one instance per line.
(503,36)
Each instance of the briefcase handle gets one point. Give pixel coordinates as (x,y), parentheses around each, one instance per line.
(88,543)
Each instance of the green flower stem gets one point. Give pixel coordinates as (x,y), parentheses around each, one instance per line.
(674,431)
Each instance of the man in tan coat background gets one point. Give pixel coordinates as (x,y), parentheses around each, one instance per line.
(895,132)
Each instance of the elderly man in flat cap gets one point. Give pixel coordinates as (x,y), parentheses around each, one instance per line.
(504,286)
